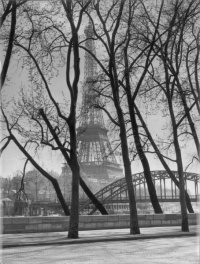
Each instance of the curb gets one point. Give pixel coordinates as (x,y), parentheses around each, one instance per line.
(104,239)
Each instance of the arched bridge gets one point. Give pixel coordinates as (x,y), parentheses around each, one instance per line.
(116,192)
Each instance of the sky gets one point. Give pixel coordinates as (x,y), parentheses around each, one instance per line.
(13,160)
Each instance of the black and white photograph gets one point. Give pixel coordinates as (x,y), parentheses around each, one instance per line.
(100,131)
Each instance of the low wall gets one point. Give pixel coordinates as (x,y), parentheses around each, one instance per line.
(86,222)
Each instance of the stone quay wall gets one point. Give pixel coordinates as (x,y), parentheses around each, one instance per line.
(88,222)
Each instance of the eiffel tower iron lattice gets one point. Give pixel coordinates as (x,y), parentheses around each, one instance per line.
(96,157)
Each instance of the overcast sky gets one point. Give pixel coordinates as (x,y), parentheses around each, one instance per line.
(13,160)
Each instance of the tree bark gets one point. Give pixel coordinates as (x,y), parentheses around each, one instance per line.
(74,213)
(157,151)
(134,225)
(187,112)
(145,163)
(10,44)
(185,224)
(60,197)
(136,136)
(92,197)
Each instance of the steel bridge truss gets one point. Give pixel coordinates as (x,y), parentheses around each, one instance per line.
(116,192)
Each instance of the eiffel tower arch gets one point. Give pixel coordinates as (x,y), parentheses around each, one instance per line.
(96,157)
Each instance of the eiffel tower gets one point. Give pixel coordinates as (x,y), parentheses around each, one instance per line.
(96,157)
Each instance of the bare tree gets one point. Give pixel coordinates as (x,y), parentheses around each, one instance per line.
(109,17)
(170,50)
(38,53)
(23,149)
(118,50)
(161,157)
(131,90)
(9,7)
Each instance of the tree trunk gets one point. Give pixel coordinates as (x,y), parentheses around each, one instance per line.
(136,136)
(10,44)
(145,163)
(74,214)
(113,77)
(134,225)
(92,197)
(168,170)
(188,203)
(185,225)
(60,197)
(187,112)
(75,168)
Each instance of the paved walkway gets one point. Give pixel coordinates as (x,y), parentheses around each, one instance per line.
(91,236)
(169,250)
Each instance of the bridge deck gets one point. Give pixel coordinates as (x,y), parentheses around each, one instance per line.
(116,192)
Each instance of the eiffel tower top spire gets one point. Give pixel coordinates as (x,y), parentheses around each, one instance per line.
(90,115)
(90,64)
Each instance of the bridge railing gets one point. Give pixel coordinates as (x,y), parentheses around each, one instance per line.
(147,198)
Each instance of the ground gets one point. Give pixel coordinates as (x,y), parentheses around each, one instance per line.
(183,250)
